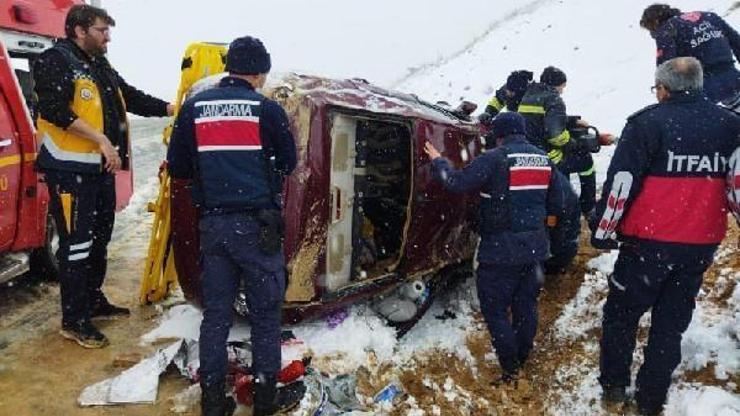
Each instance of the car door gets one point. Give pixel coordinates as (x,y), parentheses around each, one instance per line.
(10,168)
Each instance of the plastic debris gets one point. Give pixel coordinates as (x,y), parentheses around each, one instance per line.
(341,390)
(335,318)
(392,392)
(138,384)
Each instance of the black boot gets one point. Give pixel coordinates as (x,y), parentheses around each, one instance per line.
(614,394)
(269,400)
(213,401)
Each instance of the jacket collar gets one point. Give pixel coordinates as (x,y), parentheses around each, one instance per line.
(72,46)
(686,96)
(514,138)
(229,81)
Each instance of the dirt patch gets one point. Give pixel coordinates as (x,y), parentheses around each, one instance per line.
(40,373)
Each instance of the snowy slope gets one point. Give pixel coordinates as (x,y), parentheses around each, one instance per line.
(608,58)
(609,62)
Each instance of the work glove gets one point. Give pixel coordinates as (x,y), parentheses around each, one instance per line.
(556,155)
(604,243)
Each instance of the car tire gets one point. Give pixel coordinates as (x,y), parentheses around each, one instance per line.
(44,262)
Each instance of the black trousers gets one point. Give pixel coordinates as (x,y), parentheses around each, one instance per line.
(83,208)
(666,279)
(581,162)
(503,289)
(231,255)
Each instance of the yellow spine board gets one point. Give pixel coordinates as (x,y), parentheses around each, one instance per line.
(199,61)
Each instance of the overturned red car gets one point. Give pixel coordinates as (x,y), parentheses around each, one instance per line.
(363,215)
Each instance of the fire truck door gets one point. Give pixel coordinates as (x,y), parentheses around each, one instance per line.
(10,169)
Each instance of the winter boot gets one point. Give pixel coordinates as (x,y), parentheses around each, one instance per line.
(614,395)
(213,401)
(108,310)
(269,400)
(648,411)
(85,334)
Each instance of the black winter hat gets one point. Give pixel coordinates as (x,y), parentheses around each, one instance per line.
(518,81)
(247,56)
(507,123)
(553,77)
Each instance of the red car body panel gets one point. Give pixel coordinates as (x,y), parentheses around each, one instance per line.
(43,18)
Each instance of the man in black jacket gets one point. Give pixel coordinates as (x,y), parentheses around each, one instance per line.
(236,146)
(518,190)
(84,135)
(548,128)
(664,199)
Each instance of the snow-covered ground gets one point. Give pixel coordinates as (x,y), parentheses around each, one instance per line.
(609,62)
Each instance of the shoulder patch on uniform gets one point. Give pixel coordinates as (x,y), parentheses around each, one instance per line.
(692,17)
(642,111)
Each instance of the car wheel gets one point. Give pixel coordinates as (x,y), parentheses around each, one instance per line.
(44,262)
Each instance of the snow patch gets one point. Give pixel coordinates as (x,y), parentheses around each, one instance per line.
(691,400)
(712,337)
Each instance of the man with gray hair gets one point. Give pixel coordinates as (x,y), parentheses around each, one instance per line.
(664,200)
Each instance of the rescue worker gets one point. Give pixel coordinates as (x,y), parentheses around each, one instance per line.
(665,199)
(517,189)
(84,134)
(508,95)
(547,128)
(236,147)
(706,37)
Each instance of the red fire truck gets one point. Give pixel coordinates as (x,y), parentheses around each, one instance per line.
(28,238)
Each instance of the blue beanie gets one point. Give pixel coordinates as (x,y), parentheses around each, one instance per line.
(508,123)
(518,81)
(247,56)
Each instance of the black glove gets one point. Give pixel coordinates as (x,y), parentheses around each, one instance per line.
(501,95)
(604,243)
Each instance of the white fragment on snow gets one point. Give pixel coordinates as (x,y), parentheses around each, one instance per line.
(138,384)
(181,321)
(186,400)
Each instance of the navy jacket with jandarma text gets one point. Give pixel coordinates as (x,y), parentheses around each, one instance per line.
(223,139)
(518,190)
